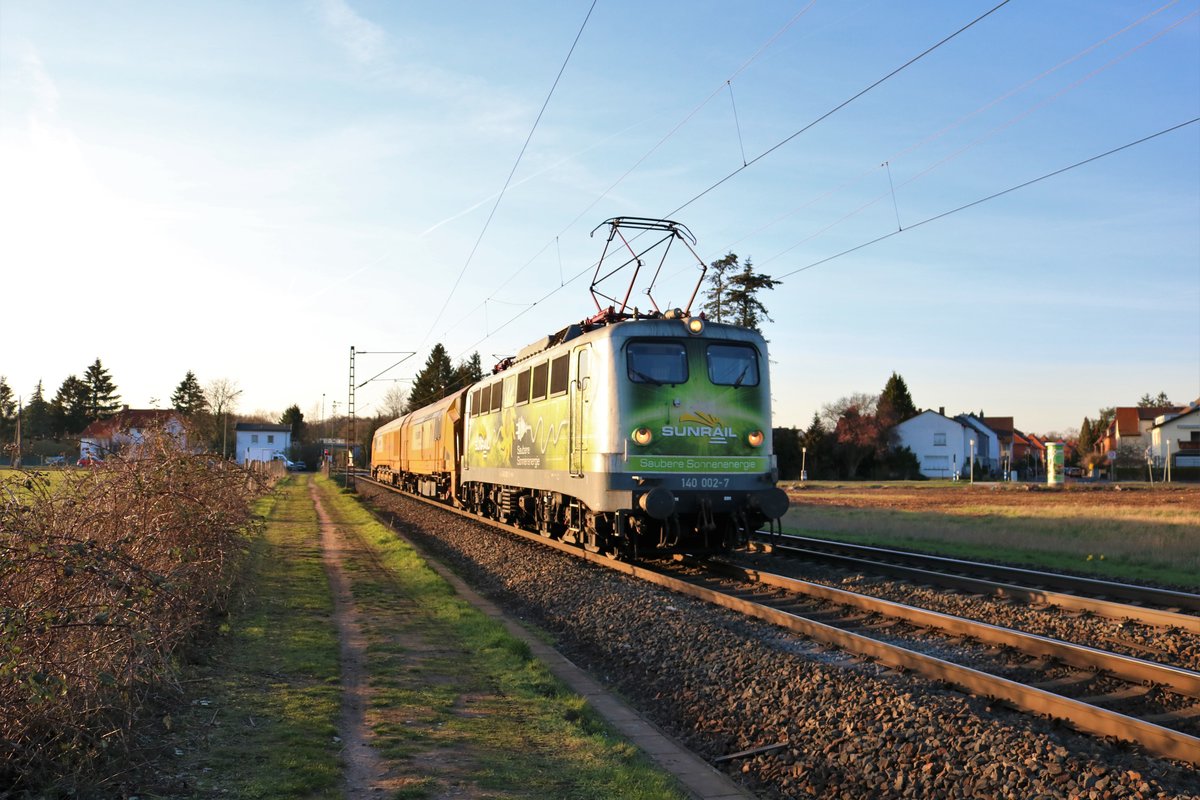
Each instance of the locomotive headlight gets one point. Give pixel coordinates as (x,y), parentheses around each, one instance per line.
(695,326)
(755,438)
(642,436)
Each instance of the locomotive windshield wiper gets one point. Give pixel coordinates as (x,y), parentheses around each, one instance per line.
(741,377)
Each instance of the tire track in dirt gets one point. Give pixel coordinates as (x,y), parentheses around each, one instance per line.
(364,767)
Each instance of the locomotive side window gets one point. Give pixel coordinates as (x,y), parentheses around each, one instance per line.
(475,407)
(558,374)
(497,395)
(657,362)
(732,365)
(523,387)
(539,380)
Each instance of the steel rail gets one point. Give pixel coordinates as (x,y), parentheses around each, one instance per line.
(1086,718)
(1167,598)
(1112,609)
(1129,668)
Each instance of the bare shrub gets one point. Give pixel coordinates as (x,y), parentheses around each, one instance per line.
(104,574)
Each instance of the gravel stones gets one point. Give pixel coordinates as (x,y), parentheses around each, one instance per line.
(722,683)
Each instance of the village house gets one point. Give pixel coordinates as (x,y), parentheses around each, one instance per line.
(1176,436)
(260,441)
(125,431)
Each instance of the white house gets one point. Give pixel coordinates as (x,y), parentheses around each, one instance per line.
(988,447)
(940,443)
(258,441)
(1177,436)
(126,430)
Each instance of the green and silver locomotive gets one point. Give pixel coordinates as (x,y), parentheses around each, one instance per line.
(633,436)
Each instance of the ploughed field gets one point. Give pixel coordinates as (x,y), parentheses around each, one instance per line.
(1131,532)
(831,724)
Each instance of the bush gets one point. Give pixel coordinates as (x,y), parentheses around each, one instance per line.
(104,574)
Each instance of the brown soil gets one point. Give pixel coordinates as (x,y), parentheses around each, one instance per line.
(956,499)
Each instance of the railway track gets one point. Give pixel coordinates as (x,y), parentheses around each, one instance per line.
(1097,692)
(1144,604)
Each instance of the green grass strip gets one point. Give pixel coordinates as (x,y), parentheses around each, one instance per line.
(457,700)
(262,721)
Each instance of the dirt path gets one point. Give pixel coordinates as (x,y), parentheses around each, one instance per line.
(365,770)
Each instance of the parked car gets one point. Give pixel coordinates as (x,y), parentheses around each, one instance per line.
(55,461)
(1074,472)
(88,461)
(297,466)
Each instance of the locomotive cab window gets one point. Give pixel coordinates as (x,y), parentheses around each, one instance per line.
(540,373)
(732,365)
(657,362)
(558,374)
(523,388)
(497,395)
(476,408)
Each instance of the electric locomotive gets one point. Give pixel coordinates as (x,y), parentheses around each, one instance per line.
(634,436)
(627,434)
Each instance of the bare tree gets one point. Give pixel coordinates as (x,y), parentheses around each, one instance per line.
(862,402)
(222,394)
(394,400)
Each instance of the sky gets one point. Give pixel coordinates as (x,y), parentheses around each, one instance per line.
(247,190)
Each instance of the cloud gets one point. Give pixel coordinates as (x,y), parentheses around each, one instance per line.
(363,40)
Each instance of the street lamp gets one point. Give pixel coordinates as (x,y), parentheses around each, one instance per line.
(803,461)
(972,461)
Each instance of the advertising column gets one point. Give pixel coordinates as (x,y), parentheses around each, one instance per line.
(1054,463)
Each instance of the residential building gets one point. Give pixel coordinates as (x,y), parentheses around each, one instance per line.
(259,441)
(1177,436)
(987,442)
(1130,428)
(939,443)
(126,430)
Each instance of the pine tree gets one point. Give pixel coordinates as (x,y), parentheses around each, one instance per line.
(716,304)
(8,412)
(70,407)
(103,400)
(433,381)
(189,396)
(895,403)
(1087,438)
(37,419)
(468,371)
(742,297)
(294,417)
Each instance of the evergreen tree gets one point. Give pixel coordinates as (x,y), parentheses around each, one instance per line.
(468,371)
(433,381)
(818,446)
(8,412)
(1161,401)
(295,418)
(189,396)
(1087,438)
(37,419)
(787,452)
(716,305)
(895,403)
(742,297)
(70,408)
(103,400)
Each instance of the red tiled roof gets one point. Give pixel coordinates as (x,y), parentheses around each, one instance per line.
(1150,414)
(1002,426)
(140,418)
(1127,421)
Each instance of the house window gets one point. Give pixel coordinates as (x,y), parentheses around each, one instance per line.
(270,438)
(939,440)
(254,438)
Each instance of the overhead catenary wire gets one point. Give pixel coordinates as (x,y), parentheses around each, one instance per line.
(993,196)
(843,104)
(512,172)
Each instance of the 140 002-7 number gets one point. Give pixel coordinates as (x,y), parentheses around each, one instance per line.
(705,483)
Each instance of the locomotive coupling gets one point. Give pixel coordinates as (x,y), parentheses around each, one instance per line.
(659,503)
